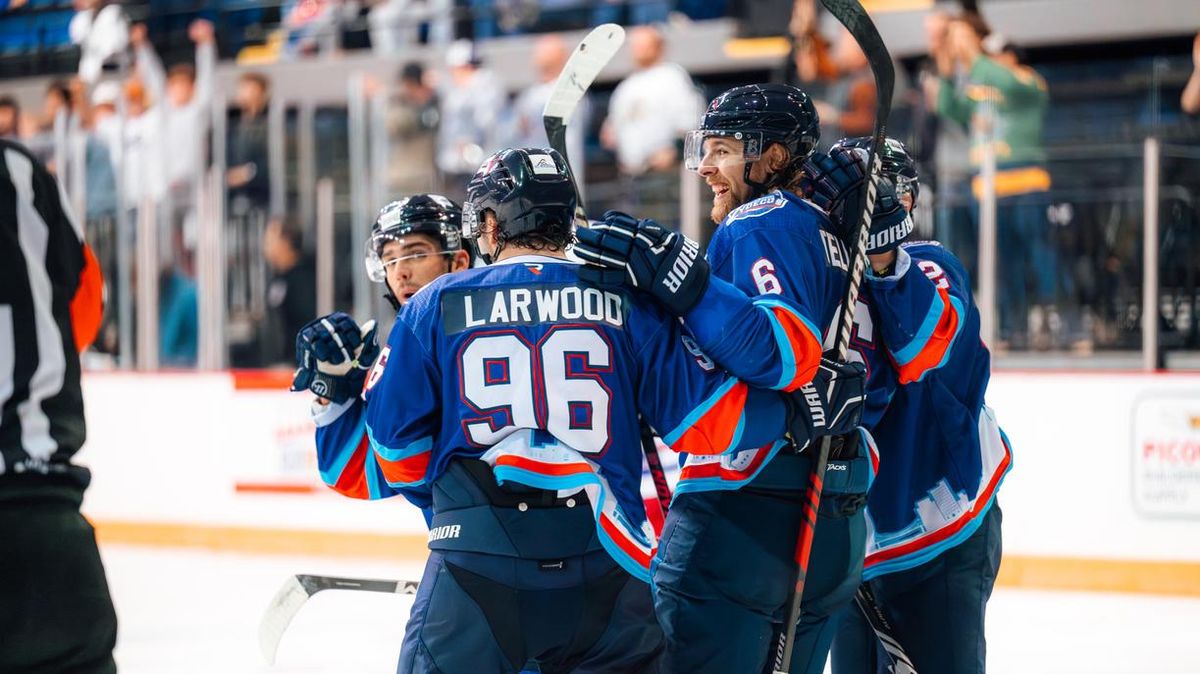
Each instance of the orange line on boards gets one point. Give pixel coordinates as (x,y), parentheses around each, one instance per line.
(1101,575)
(263,540)
(1016,571)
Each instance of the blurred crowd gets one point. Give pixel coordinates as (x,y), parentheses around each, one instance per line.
(135,144)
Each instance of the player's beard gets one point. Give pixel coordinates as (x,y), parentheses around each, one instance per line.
(724,203)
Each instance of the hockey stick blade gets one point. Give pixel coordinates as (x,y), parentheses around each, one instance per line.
(591,55)
(585,63)
(295,592)
(852,15)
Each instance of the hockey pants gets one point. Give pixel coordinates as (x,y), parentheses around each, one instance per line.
(725,567)
(936,609)
(527,588)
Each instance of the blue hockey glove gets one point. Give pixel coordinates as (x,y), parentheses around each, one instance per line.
(619,250)
(835,182)
(830,404)
(333,356)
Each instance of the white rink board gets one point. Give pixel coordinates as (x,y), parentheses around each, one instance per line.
(172,447)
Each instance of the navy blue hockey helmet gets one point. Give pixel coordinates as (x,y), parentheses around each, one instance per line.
(759,115)
(430,214)
(529,190)
(897,164)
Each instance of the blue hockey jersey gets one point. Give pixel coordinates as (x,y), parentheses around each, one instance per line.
(779,251)
(942,455)
(543,377)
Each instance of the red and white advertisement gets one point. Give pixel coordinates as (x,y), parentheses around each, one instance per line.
(1166,455)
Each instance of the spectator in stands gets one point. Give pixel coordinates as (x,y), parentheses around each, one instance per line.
(412,122)
(178,313)
(550,54)
(101,30)
(1003,105)
(1190,101)
(942,152)
(247,176)
(396,24)
(291,291)
(10,118)
(647,116)
(312,26)
(186,93)
(836,76)
(472,101)
(178,305)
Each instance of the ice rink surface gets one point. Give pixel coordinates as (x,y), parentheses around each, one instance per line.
(185,611)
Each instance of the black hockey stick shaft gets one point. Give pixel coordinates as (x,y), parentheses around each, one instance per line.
(898,660)
(572,87)
(852,15)
(662,489)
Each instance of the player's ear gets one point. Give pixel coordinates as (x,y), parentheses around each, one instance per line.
(460,261)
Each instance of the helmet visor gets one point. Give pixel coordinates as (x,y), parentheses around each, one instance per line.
(709,147)
(379,257)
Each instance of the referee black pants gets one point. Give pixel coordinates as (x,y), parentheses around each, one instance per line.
(56,615)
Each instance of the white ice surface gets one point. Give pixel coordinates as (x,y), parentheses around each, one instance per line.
(184,611)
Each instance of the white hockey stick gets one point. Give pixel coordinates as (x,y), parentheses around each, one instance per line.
(586,62)
(593,53)
(296,591)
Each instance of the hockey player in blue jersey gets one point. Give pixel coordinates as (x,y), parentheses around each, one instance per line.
(933,523)
(413,241)
(761,306)
(506,403)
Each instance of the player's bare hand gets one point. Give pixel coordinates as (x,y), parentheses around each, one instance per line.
(138,35)
(201,32)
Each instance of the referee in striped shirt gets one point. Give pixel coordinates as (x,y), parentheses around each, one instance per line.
(56,616)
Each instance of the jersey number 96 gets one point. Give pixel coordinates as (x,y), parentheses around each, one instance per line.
(555,384)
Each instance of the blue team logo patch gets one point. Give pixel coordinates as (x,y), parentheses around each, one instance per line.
(758,207)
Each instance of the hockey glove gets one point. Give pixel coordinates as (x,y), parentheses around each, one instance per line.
(333,356)
(830,404)
(619,250)
(835,182)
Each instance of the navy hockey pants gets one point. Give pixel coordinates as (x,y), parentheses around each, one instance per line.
(725,567)
(523,586)
(936,609)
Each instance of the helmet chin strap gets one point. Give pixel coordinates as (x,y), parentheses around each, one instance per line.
(757,189)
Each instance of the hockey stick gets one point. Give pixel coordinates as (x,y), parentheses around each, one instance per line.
(852,15)
(898,660)
(591,55)
(586,62)
(296,591)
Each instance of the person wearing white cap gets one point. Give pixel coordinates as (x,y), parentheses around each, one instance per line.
(472,99)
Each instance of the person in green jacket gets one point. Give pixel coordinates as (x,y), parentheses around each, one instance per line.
(1002,102)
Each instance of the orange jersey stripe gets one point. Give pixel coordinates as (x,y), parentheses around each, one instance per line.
(714,431)
(935,349)
(805,348)
(405,471)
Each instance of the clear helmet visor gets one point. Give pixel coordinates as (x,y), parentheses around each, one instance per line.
(904,185)
(704,148)
(378,258)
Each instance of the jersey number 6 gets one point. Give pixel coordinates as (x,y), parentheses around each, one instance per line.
(555,385)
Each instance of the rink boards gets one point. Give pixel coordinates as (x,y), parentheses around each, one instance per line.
(1104,493)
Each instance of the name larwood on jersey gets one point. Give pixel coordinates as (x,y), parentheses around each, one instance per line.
(530,305)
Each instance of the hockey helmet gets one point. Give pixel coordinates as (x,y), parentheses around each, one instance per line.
(758,115)
(897,164)
(430,214)
(528,189)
